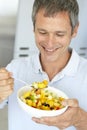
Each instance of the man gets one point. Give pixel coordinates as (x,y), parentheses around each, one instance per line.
(55,24)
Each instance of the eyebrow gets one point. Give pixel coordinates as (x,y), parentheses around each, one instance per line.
(61,32)
(39,29)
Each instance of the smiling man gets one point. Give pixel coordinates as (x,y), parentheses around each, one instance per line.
(53,35)
(55,24)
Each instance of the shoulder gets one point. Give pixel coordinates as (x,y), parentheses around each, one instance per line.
(79,64)
(21,63)
(82,69)
(79,60)
(83,63)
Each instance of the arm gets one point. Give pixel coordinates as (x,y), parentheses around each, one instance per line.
(74,116)
(6,84)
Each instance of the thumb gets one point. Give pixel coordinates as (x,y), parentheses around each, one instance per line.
(71,102)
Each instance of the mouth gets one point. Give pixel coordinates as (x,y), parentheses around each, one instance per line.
(51,50)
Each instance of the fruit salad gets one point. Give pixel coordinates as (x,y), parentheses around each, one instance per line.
(40,97)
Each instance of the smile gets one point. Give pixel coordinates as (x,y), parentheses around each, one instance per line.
(50,50)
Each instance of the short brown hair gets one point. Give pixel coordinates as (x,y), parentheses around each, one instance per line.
(52,7)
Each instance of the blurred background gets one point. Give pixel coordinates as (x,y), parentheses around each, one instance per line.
(8,21)
(17,40)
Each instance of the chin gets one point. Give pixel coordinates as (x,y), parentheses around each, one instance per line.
(51,58)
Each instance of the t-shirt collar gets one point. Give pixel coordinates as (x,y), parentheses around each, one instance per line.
(70,69)
(72,66)
(36,64)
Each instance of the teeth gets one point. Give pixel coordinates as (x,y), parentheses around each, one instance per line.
(50,50)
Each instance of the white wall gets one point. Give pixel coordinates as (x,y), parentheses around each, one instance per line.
(8,7)
(80,42)
(24,43)
(8,10)
(7,39)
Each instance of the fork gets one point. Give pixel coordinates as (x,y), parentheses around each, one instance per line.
(21,81)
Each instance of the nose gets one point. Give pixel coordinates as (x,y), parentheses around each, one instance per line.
(50,40)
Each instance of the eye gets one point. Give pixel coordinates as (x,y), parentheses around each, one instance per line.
(60,34)
(42,32)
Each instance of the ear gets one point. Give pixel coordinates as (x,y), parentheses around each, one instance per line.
(75,30)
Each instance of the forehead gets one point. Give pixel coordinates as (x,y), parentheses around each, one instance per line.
(61,19)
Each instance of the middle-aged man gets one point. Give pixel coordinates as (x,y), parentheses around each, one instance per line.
(55,24)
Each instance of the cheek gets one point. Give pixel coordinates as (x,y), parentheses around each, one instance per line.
(39,39)
(65,41)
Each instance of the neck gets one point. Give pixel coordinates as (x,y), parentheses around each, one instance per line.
(54,67)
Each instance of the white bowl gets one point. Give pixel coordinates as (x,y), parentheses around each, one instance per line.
(34,112)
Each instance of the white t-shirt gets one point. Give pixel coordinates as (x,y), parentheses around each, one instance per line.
(72,80)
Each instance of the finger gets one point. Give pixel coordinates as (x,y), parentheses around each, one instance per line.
(45,120)
(37,120)
(3,70)
(6,88)
(4,75)
(6,81)
(5,95)
(71,102)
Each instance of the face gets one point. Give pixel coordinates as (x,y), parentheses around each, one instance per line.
(53,35)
